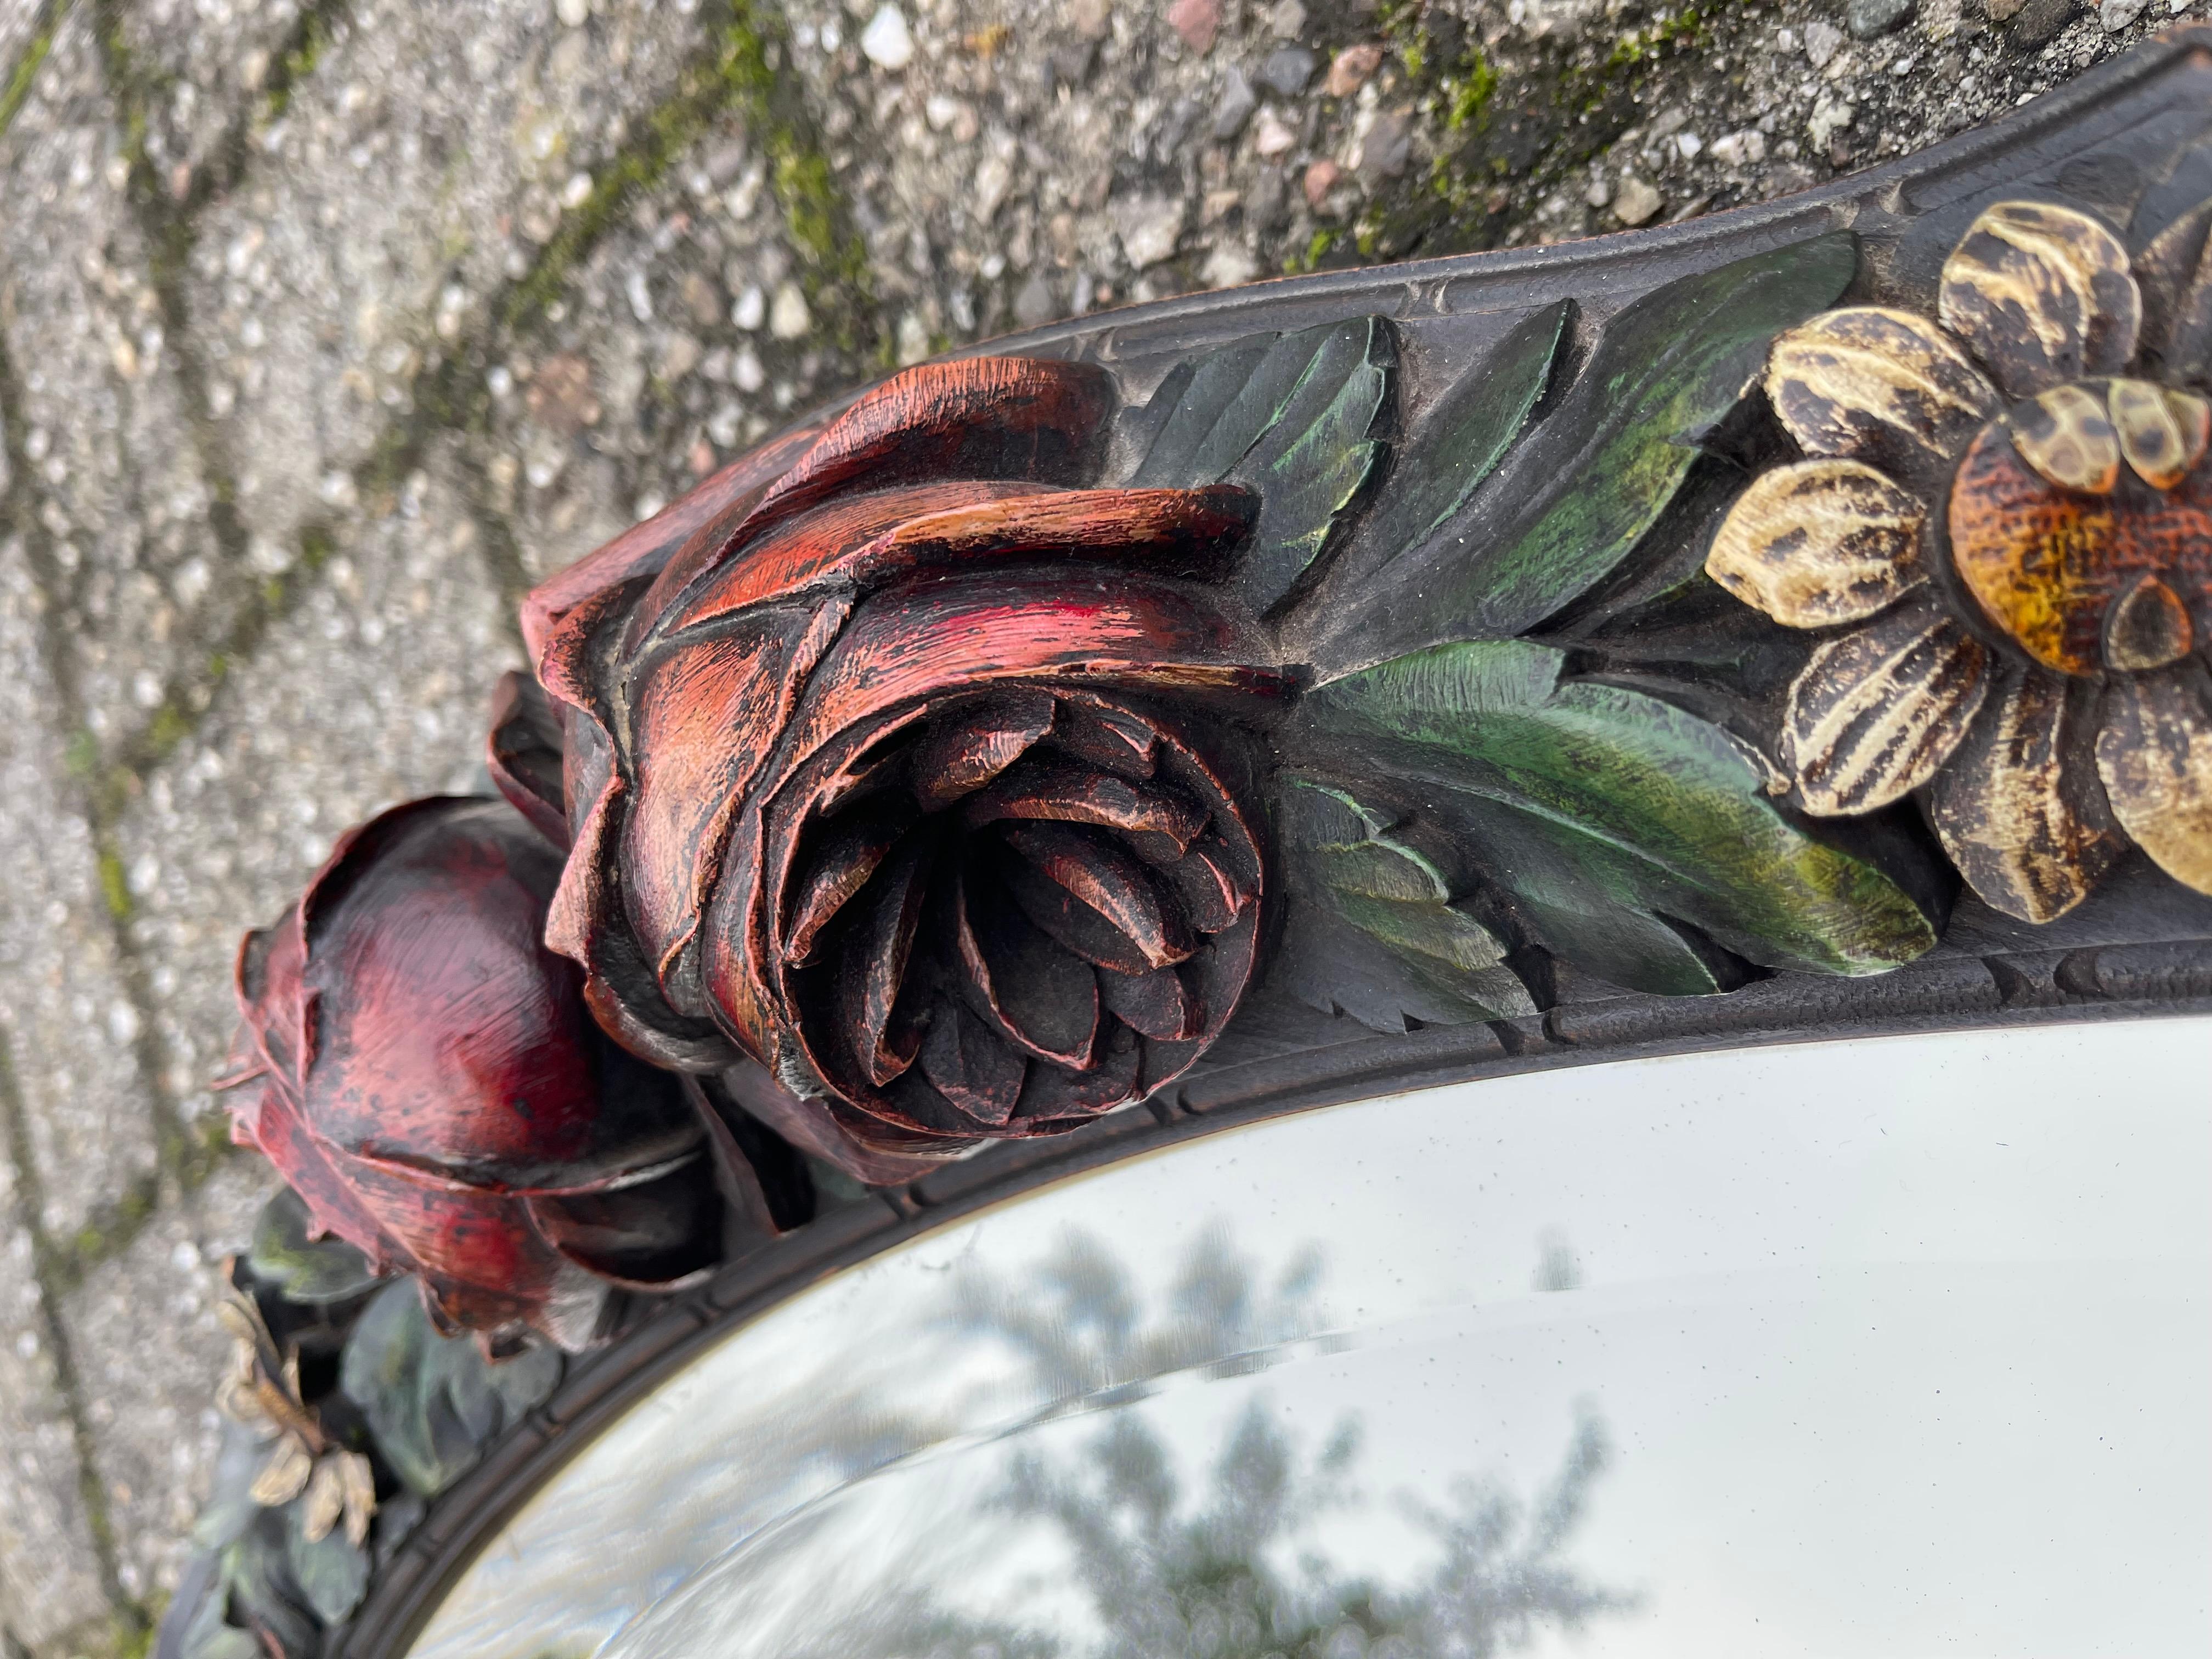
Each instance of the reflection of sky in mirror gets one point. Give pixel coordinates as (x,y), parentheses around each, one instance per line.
(1894,1345)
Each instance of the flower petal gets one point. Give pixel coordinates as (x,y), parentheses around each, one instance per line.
(957,757)
(808,550)
(1867,383)
(705,714)
(2018,806)
(1041,998)
(1154,1005)
(971,1066)
(523,752)
(874,972)
(1161,824)
(987,417)
(1874,712)
(2162,434)
(2043,294)
(1819,543)
(2066,434)
(1052,1092)
(2154,753)
(645,548)
(842,867)
(1096,872)
(1141,633)
(869,541)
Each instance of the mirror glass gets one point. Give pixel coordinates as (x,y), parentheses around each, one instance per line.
(1885,1345)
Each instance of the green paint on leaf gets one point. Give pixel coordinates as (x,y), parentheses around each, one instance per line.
(1292,417)
(312,1271)
(331,1573)
(1473,426)
(1613,819)
(434,1402)
(1596,474)
(1373,929)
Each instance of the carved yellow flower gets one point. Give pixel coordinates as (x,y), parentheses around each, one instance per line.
(2010,516)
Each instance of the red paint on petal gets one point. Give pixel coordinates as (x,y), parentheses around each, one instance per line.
(645,548)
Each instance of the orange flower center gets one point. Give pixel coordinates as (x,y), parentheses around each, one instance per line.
(2082,524)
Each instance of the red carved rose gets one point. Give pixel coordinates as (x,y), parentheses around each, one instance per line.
(421,1070)
(883,761)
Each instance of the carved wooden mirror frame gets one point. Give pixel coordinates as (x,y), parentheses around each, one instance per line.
(1790,623)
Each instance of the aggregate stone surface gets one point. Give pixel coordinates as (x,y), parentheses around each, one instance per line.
(326,326)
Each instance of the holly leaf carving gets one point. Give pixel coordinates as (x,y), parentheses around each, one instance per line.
(1632,837)
(1294,417)
(1581,490)
(434,1402)
(1373,929)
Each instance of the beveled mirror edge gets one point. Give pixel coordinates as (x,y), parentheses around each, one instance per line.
(1953,995)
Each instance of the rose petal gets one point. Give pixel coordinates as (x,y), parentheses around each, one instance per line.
(645,548)
(966,1062)
(1040,998)
(1112,738)
(1874,712)
(2042,294)
(1154,1003)
(876,955)
(523,755)
(1052,1092)
(654,1235)
(2154,754)
(333,1206)
(1100,874)
(901,648)
(820,1130)
(484,1265)
(2019,807)
(1069,920)
(851,853)
(1884,386)
(1819,543)
(828,545)
(706,714)
(1047,787)
(1212,897)
(958,755)
(1002,417)
(448,1038)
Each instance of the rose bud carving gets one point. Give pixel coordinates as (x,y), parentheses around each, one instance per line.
(423,1073)
(892,763)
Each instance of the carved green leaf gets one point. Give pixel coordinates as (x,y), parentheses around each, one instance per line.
(1625,830)
(311,1271)
(1373,928)
(1460,442)
(331,1571)
(1592,478)
(434,1402)
(256,1591)
(1294,418)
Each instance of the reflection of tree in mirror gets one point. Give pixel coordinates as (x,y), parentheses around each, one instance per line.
(1222,1582)
(1228,1579)
(1081,1325)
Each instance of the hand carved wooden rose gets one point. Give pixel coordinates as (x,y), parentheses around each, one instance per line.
(421,1070)
(893,778)
(955,769)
